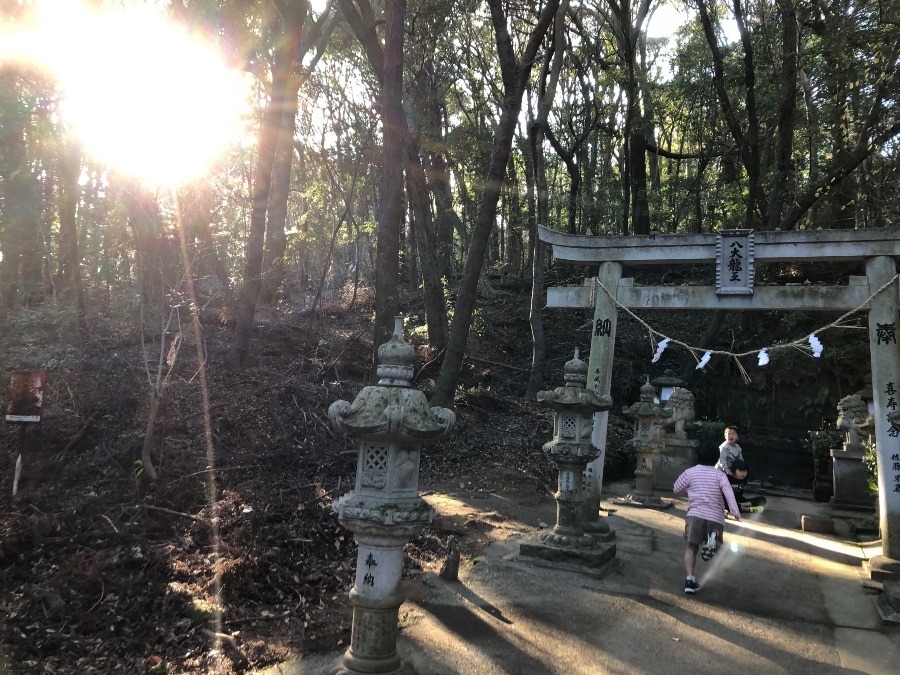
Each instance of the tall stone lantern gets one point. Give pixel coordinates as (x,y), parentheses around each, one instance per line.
(648,416)
(384,511)
(573,414)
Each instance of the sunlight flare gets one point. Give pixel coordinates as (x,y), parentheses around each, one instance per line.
(142,94)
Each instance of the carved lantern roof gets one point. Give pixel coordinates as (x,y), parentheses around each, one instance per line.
(392,407)
(647,409)
(574,396)
(668,379)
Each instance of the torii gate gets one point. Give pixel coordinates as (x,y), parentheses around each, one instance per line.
(735,253)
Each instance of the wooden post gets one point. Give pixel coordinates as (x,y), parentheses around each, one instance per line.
(885,355)
(600,362)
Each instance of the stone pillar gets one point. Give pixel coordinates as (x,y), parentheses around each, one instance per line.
(573,408)
(384,511)
(648,416)
(886,390)
(850,476)
(600,365)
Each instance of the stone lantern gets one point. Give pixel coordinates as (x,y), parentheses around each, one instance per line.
(648,416)
(849,472)
(573,411)
(384,511)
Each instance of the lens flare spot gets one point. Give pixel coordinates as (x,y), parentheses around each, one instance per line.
(144,95)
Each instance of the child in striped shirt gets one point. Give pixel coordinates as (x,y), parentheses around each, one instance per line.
(707,490)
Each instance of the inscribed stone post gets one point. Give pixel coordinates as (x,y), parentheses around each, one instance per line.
(600,364)
(886,390)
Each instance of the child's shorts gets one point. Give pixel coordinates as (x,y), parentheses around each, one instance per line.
(697,529)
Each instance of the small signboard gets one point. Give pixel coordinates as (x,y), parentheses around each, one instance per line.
(26,396)
(734,262)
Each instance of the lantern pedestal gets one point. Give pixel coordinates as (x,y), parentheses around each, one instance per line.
(851,480)
(882,568)
(642,496)
(595,561)
(678,454)
(599,530)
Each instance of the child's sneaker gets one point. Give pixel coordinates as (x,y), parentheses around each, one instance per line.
(757,509)
(709,547)
(691,586)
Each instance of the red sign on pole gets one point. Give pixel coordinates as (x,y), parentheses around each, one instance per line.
(26,396)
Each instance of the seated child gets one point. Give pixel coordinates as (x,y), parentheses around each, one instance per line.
(738,480)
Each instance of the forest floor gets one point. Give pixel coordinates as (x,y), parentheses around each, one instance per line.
(232,559)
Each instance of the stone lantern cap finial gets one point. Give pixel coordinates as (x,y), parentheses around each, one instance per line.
(575,372)
(396,358)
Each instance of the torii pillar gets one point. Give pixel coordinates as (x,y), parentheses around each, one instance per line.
(885,354)
(600,365)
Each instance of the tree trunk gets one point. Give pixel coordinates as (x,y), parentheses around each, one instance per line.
(531,207)
(31,291)
(515,76)
(253,256)
(786,111)
(276,213)
(69,259)
(435,302)
(741,141)
(552,65)
(209,249)
(755,199)
(461,224)
(390,221)
(640,205)
(437,174)
(9,272)
(143,216)
(813,131)
(535,319)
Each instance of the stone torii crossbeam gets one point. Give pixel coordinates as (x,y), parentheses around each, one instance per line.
(735,253)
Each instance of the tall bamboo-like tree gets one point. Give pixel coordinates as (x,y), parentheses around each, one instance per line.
(387,63)
(69,275)
(271,174)
(552,65)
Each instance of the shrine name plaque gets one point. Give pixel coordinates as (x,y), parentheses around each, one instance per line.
(734,262)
